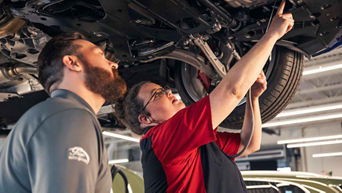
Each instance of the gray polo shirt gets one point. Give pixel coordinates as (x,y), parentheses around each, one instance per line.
(56,146)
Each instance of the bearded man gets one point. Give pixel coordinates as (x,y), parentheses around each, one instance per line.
(57,145)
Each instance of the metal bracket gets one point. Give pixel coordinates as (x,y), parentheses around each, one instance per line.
(218,66)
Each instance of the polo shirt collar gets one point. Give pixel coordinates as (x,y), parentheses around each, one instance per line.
(70,95)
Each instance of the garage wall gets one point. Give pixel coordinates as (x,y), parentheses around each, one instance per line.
(327,164)
(307,162)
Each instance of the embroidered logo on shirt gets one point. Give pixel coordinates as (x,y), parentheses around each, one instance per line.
(78,154)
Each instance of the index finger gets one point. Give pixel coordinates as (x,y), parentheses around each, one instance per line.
(281,7)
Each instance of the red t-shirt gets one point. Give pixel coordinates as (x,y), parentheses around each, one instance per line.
(176,144)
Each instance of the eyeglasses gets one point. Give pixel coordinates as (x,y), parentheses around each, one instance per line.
(158,93)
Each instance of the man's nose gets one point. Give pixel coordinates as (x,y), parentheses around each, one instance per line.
(113,65)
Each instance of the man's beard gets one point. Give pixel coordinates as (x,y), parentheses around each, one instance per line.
(101,82)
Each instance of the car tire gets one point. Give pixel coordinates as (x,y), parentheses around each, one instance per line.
(283,78)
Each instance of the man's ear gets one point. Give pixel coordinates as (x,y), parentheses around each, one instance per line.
(144,120)
(72,63)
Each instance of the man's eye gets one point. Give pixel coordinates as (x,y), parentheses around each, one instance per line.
(159,93)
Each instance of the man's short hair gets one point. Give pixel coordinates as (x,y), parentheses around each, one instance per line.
(50,63)
(128,108)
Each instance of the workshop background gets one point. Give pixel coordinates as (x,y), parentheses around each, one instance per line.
(305,137)
(301,147)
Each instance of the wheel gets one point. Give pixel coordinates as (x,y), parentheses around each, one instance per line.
(283,74)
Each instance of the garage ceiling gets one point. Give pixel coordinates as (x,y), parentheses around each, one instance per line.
(322,87)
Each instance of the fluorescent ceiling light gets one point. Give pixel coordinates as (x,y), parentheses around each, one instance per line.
(120,136)
(307,139)
(117,161)
(310,110)
(314,143)
(327,154)
(322,69)
(302,120)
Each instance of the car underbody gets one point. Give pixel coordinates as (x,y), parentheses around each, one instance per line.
(187,44)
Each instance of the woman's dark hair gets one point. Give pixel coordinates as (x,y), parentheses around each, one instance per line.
(128,108)
(50,64)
